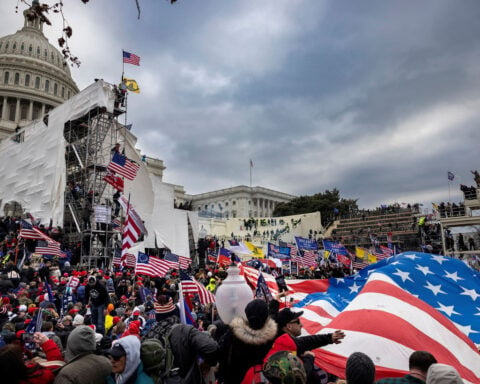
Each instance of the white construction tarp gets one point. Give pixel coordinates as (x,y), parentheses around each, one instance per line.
(33,171)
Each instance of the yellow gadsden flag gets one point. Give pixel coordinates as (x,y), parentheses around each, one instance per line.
(131,85)
(256,251)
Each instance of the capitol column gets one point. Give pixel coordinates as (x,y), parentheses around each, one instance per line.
(17,111)
(4,108)
(30,111)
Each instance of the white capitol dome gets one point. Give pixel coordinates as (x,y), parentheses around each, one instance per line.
(34,77)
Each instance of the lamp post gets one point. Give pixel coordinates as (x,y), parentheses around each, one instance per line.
(233,295)
(202,247)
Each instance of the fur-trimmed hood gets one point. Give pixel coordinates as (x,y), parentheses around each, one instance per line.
(244,333)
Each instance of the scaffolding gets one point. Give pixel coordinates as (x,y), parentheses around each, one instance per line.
(88,197)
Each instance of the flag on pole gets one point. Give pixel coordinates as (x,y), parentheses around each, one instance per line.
(131,58)
(192,286)
(150,266)
(224,256)
(123,166)
(131,85)
(450,175)
(251,163)
(114,180)
(177,261)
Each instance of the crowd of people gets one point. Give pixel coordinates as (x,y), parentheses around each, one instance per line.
(64,323)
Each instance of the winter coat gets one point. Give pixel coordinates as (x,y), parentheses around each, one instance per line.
(83,366)
(188,344)
(42,373)
(85,369)
(242,347)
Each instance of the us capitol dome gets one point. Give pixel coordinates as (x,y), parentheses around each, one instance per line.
(34,77)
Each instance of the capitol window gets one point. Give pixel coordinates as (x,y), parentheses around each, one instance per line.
(47,85)
(37,82)
(6,77)
(22,47)
(17,78)
(27,80)
(63,92)
(30,49)
(38,51)
(55,89)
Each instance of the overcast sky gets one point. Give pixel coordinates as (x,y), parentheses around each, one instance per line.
(376,98)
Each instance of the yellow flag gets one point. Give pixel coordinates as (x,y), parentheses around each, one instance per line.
(256,251)
(361,252)
(131,85)
(371,258)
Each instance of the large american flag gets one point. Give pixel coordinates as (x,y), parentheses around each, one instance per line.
(191,286)
(123,166)
(150,266)
(131,58)
(408,302)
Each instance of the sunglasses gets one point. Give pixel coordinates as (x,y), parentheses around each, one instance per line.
(296,321)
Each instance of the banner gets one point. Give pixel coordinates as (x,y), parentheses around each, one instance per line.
(303,243)
(278,252)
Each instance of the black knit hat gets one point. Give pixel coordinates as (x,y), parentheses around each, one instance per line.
(360,369)
(257,313)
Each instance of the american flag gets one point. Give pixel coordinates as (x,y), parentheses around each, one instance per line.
(310,257)
(359,264)
(150,266)
(131,58)
(177,261)
(189,285)
(378,253)
(28,231)
(123,166)
(408,302)
(49,248)
(129,260)
(116,225)
(386,250)
(293,252)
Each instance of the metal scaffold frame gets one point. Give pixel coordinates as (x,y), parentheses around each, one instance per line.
(88,197)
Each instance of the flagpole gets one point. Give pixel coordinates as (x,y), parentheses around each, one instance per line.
(181,302)
(251,166)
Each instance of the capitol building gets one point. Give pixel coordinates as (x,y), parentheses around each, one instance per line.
(34,77)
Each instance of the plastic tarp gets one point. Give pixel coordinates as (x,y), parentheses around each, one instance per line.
(33,171)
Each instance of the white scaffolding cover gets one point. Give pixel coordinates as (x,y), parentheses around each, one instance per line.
(33,172)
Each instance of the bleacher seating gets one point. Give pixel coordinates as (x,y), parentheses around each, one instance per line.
(358,229)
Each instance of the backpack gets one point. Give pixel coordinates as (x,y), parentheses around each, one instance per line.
(157,358)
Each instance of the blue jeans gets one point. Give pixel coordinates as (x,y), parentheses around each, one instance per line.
(98,317)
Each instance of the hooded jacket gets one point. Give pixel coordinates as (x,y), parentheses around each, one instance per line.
(83,366)
(443,374)
(243,347)
(133,372)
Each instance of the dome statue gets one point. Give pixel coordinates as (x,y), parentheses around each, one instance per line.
(34,77)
